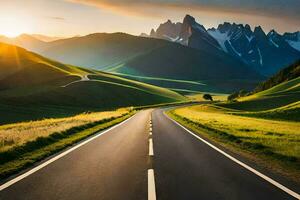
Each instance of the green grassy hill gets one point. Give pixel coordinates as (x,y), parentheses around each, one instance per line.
(21,68)
(290,112)
(278,96)
(286,74)
(34,87)
(279,102)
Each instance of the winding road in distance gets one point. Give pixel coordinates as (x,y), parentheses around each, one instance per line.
(144,158)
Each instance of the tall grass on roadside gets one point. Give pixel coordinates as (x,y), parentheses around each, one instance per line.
(17,134)
(281,137)
(20,157)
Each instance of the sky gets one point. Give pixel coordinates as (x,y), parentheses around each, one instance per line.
(80,17)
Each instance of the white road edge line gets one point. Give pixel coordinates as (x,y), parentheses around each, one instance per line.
(35,169)
(151,153)
(151,185)
(273,182)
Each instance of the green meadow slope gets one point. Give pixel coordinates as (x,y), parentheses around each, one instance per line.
(34,87)
(281,99)
(284,75)
(279,102)
(275,97)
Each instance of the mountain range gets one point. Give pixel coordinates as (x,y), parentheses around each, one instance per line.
(265,53)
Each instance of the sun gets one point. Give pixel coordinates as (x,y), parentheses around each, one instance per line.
(12,27)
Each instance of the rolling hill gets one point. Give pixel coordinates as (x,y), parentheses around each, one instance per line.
(286,74)
(34,87)
(278,97)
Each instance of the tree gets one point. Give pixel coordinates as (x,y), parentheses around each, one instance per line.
(207,97)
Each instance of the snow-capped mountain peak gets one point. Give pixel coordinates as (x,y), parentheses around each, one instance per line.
(221,37)
(255,47)
(264,52)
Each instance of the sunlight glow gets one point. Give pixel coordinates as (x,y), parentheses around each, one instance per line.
(12,26)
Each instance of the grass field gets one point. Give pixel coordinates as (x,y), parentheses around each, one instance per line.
(23,144)
(278,141)
(160,91)
(290,112)
(191,86)
(180,86)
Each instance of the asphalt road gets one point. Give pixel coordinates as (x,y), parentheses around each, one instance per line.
(115,165)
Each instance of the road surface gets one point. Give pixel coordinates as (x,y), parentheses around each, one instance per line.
(143,158)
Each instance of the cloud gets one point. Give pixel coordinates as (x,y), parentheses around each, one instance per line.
(270,8)
(282,15)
